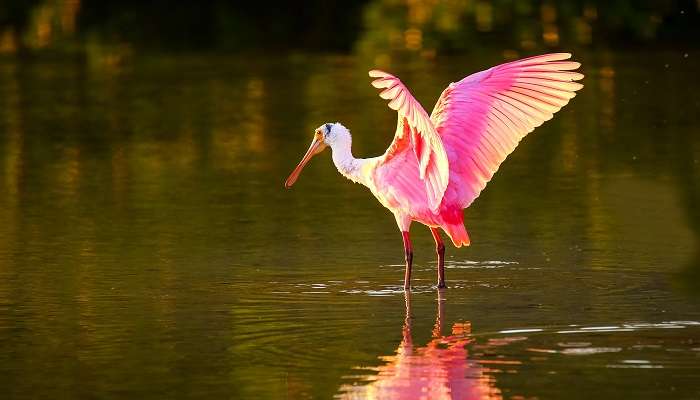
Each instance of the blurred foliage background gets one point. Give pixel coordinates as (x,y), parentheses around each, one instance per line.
(380,27)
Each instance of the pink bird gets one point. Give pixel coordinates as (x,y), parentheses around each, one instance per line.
(437,165)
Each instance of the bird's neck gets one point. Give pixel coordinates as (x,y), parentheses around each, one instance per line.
(349,166)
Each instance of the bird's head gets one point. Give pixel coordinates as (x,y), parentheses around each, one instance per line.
(324,136)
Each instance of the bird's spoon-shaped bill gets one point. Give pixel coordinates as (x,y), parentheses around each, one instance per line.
(317,146)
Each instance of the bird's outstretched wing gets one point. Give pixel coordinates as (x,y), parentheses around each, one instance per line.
(482,118)
(415,130)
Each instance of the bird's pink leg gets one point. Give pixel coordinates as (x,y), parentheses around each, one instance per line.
(440,250)
(409,259)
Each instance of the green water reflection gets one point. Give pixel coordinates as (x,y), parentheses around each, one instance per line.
(148,248)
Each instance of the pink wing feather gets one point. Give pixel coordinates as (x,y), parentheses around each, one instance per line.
(414,130)
(483,117)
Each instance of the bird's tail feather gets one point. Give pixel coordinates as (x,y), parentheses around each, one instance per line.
(458,234)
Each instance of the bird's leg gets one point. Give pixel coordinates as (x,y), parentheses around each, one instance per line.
(440,250)
(409,259)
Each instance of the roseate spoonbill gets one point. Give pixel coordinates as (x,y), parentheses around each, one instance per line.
(438,164)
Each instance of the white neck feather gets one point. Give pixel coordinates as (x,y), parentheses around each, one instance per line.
(341,146)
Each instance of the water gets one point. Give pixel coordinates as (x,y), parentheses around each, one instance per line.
(149,250)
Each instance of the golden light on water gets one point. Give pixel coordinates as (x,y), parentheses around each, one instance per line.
(443,27)
(413,38)
(69,15)
(550,32)
(43,29)
(51,21)
(550,35)
(590,11)
(8,41)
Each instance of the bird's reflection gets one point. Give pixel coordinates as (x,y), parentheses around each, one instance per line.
(439,370)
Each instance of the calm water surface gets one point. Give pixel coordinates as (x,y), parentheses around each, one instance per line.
(149,250)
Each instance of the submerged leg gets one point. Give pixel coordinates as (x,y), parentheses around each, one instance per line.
(409,259)
(440,250)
